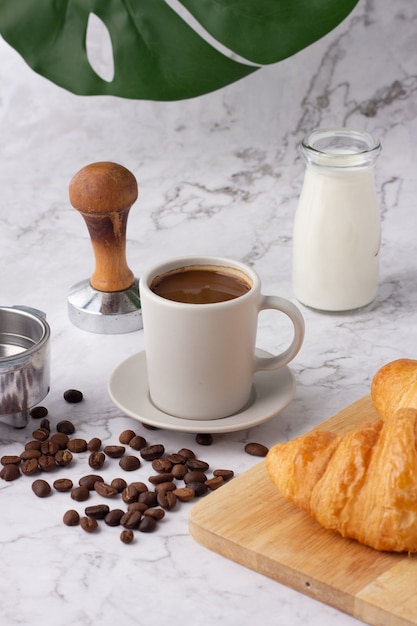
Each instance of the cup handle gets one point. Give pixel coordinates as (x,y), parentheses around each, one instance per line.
(287,307)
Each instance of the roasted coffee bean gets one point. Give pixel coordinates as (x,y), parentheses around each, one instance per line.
(148,497)
(40,434)
(90,480)
(63,484)
(127,536)
(66,427)
(61,439)
(114,452)
(45,423)
(105,490)
(30,454)
(38,412)
(195,476)
(204,439)
(41,488)
(161,478)
(30,467)
(149,453)
(224,473)
(98,511)
(215,482)
(167,500)
(184,494)
(94,444)
(113,517)
(161,465)
(137,442)
(186,453)
(176,459)
(147,524)
(10,459)
(63,457)
(129,463)
(169,486)
(73,396)
(137,506)
(179,470)
(200,489)
(10,472)
(130,494)
(140,486)
(131,519)
(126,436)
(119,483)
(71,518)
(156,513)
(77,445)
(46,463)
(89,524)
(49,447)
(197,464)
(33,445)
(96,460)
(80,494)
(256,449)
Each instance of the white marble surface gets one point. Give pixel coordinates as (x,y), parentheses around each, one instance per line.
(221,175)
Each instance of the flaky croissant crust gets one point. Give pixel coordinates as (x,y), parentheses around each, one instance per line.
(362,484)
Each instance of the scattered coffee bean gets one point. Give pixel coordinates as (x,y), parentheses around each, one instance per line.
(89,524)
(30,454)
(96,460)
(90,480)
(169,486)
(61,439)
(30,467)
(41,488)
(161,478)
(214,483)
(130,494)
(127,536)
(10,472)
(147,524)
(195,476)
(33,445)
(71,518)
(113,517)
(138,506)
(49,447)
(126,436)
(161,465)
(176,459)
(80,493)
(66,427)
(46,463)
(197,464)
(73,396)
(200,489)
(167,500)
(129,463)
(179,471)
(63,484)
(224,473)
(10,458)
(204,439)
(184,494)
(114,452)
(63,458)
(148,497)
(40,434)
(256,449)
(137,442)
(45,423)
(77,445)
(149,453)
(186,453)
(38,412)
(105,490)
(140,486)
(156,513)
(131,519)
(94,444)
(97,511)
(119,483)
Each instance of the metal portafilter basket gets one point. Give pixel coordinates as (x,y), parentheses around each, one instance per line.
(108,302)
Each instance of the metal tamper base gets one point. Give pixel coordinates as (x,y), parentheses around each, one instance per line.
(109,302)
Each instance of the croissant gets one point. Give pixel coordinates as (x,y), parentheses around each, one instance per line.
(394,386)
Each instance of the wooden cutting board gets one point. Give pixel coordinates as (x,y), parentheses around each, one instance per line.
(249,522)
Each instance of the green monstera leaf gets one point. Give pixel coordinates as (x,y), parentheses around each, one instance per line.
(158,52)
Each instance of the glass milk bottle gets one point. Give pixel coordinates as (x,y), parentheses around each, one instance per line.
(337,230)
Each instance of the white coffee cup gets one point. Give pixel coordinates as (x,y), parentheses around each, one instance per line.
(201,357)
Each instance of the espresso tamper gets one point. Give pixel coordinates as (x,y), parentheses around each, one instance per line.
(108,302)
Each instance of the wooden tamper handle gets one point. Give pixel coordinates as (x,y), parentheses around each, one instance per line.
(103,193)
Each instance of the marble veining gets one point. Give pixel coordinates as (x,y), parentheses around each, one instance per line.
(219,174)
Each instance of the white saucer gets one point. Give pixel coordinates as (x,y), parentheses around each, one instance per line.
(128,389)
